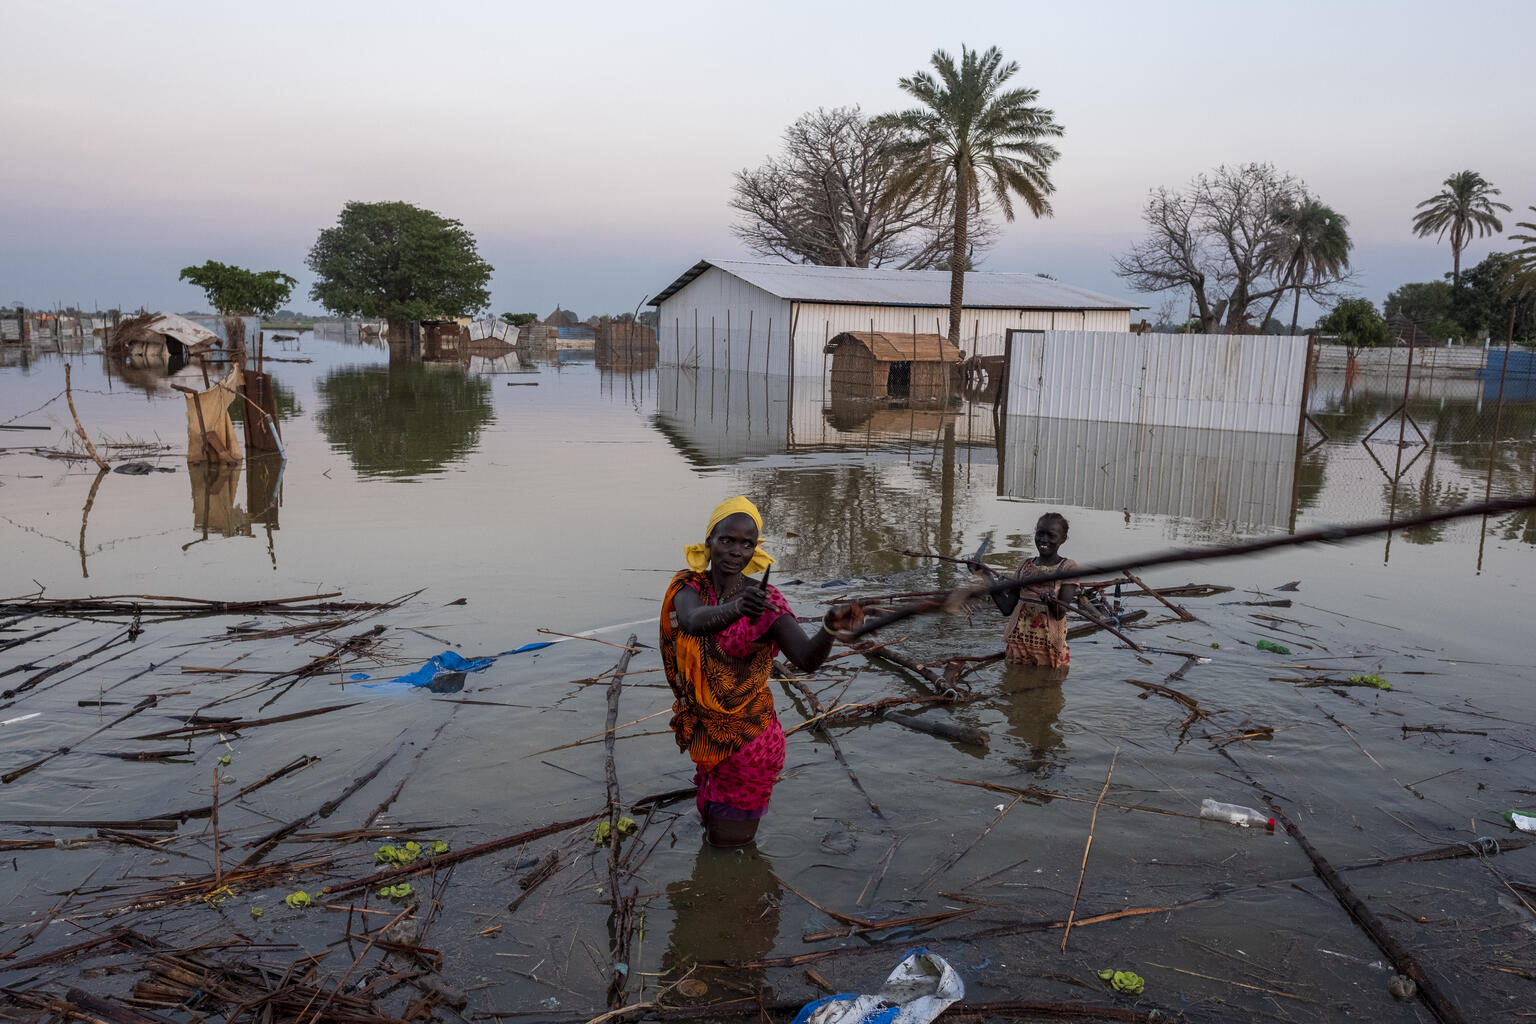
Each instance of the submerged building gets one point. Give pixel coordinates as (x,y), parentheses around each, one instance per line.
(780,318)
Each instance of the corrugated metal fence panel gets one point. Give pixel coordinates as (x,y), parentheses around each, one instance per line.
(1235,477)
(1224,382)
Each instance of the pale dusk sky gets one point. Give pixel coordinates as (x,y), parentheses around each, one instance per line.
(590,147)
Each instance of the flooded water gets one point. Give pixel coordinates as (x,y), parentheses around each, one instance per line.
(508,497)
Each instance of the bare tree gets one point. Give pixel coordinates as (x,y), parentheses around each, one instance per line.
(832,197)
(1229,239)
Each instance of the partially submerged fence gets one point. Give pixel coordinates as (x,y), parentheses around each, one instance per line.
(1215,381)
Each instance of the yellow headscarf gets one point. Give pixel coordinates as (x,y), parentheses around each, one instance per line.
(698,554)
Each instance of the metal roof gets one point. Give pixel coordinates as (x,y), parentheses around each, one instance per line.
(928,288)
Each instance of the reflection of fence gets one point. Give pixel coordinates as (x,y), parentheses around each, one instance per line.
(1422,439)
(1235,478)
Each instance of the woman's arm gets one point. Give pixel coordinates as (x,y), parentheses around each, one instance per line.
(808,652)
(700,619)
(1065,598)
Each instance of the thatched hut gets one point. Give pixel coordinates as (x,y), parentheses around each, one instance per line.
(869,364)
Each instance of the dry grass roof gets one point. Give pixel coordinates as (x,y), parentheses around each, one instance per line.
(901,348)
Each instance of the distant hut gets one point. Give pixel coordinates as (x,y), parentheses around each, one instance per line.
(159,339)
(872,364)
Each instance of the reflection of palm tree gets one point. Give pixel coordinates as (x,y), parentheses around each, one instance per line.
(405,419)
(1464,206)
(967,135)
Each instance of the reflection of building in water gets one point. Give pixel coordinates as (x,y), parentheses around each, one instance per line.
(720,418)
(1223,476)
(728,910)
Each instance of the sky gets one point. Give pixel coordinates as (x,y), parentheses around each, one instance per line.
(590,147)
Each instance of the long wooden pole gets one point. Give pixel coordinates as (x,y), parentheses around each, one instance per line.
(1326,534)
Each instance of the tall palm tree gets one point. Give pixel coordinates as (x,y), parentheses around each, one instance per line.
(969,135)
(1465,205)
(1525,257)
(1315,250)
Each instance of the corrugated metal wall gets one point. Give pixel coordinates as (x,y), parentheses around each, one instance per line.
(1217,381)
(707,322)
(1222,476)
(718,322)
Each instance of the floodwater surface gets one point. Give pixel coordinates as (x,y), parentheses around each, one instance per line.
(503,497)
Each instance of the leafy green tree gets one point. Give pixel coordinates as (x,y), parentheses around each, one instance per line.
(1315,248)
(1491,293)
(400,263)
(1466,205)
(235,291)
(520,319)
(1357,325)
(969,134)
(1426,303)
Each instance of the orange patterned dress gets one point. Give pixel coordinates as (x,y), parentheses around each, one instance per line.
(723,713)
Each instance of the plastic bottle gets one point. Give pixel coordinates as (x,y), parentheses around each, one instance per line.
(1236,814)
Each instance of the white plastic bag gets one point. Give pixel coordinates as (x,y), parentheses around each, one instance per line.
(921,987)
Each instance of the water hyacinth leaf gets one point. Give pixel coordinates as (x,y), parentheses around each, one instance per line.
(225,759)
(397,892)
(298,899)
(1376,681)
(255,911)
(438,846)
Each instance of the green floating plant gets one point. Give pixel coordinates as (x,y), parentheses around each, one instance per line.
(1126,982)
(397,892)
(409,853)
(602,832)
(225,759)
(298,899)
(1376,681)
(255,911)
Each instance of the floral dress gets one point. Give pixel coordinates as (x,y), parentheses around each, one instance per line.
(1032,636)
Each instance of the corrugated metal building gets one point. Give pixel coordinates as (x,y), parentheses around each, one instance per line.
(777,318)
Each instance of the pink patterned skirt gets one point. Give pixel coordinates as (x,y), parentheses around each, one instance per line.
(738,788)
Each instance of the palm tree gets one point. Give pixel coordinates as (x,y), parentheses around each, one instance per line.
(969,134)
(1525,258)
(1465,205)
(1316,249)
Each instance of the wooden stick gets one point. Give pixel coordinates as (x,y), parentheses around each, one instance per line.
(837,751)
(1081,871)
(218,869)
(70,397)
(605,643)
(1176,609)
(601,735)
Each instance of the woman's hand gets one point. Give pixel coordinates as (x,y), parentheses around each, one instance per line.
(752,601)
(844,618)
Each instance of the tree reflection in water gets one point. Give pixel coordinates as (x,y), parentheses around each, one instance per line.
(403,420)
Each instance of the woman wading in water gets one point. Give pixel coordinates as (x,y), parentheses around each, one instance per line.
(720,632)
